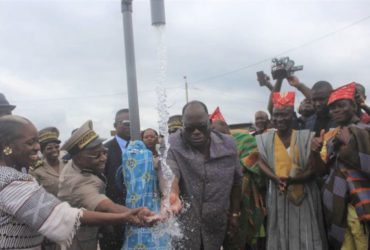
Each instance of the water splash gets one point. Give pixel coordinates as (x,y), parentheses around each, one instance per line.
(162,107)
(171,225)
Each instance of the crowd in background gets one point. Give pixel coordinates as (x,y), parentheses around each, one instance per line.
(294,180)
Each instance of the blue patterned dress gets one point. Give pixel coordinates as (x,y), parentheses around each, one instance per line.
(138,174)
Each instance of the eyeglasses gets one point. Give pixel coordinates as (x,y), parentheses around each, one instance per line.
(202,128)
(97,155)
(124,122)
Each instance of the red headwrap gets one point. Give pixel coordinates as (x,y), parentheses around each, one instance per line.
(345,92)
(216,115)
(283,99)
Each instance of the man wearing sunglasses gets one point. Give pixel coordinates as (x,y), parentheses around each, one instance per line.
(116,146)
(207,180)
(82,184)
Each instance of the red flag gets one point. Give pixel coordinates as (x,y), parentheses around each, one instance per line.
(216,115)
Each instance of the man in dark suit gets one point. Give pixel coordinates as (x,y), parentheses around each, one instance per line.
(116,146)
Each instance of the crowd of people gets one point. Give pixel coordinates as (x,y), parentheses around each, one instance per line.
(289,182)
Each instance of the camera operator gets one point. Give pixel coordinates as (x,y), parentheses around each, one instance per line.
(320,93)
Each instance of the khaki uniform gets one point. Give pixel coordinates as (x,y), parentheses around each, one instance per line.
(47,176)
(83,190)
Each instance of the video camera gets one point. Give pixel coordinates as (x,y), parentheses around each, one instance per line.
(283,68)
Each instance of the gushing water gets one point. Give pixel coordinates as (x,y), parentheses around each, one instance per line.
(170,226)
(162,107)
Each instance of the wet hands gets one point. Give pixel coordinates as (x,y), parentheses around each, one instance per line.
(171,205)
(175,203)
(142,217)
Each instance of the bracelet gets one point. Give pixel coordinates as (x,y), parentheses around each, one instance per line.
(236,214)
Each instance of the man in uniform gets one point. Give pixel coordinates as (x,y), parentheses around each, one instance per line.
(174,123)
(82,184)
(47,170)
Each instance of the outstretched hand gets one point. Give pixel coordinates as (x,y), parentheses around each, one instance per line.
(142,216)
(175,203)
(174,207)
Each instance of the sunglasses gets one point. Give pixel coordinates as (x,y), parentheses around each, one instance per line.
(97,155)
(124,122)
(202,128)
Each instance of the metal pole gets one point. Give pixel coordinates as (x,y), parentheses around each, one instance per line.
(186,90)
(133,103)
(158,13)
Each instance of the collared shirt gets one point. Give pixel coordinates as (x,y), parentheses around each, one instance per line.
(205,187)
(122,143)
(47,176)
(82,189)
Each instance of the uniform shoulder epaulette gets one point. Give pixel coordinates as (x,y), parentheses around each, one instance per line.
(37,164)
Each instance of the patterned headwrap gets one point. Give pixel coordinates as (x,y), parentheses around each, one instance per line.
(283,99)
(345,92)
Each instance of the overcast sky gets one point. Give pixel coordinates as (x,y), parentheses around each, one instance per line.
(62,62)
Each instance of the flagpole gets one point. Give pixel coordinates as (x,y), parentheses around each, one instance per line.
(186,90)
(133,102)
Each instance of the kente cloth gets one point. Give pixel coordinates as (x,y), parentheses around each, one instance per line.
(344,92)
(253,209)
(292,225)
(141,182)
(28,213)
(348,182)
(280,100)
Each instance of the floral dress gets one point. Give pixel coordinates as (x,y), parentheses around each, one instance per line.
(140,177)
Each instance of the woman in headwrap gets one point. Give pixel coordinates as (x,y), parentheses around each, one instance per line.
(27,211)
(139,175)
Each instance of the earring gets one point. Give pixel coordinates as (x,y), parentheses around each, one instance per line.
(7,150)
